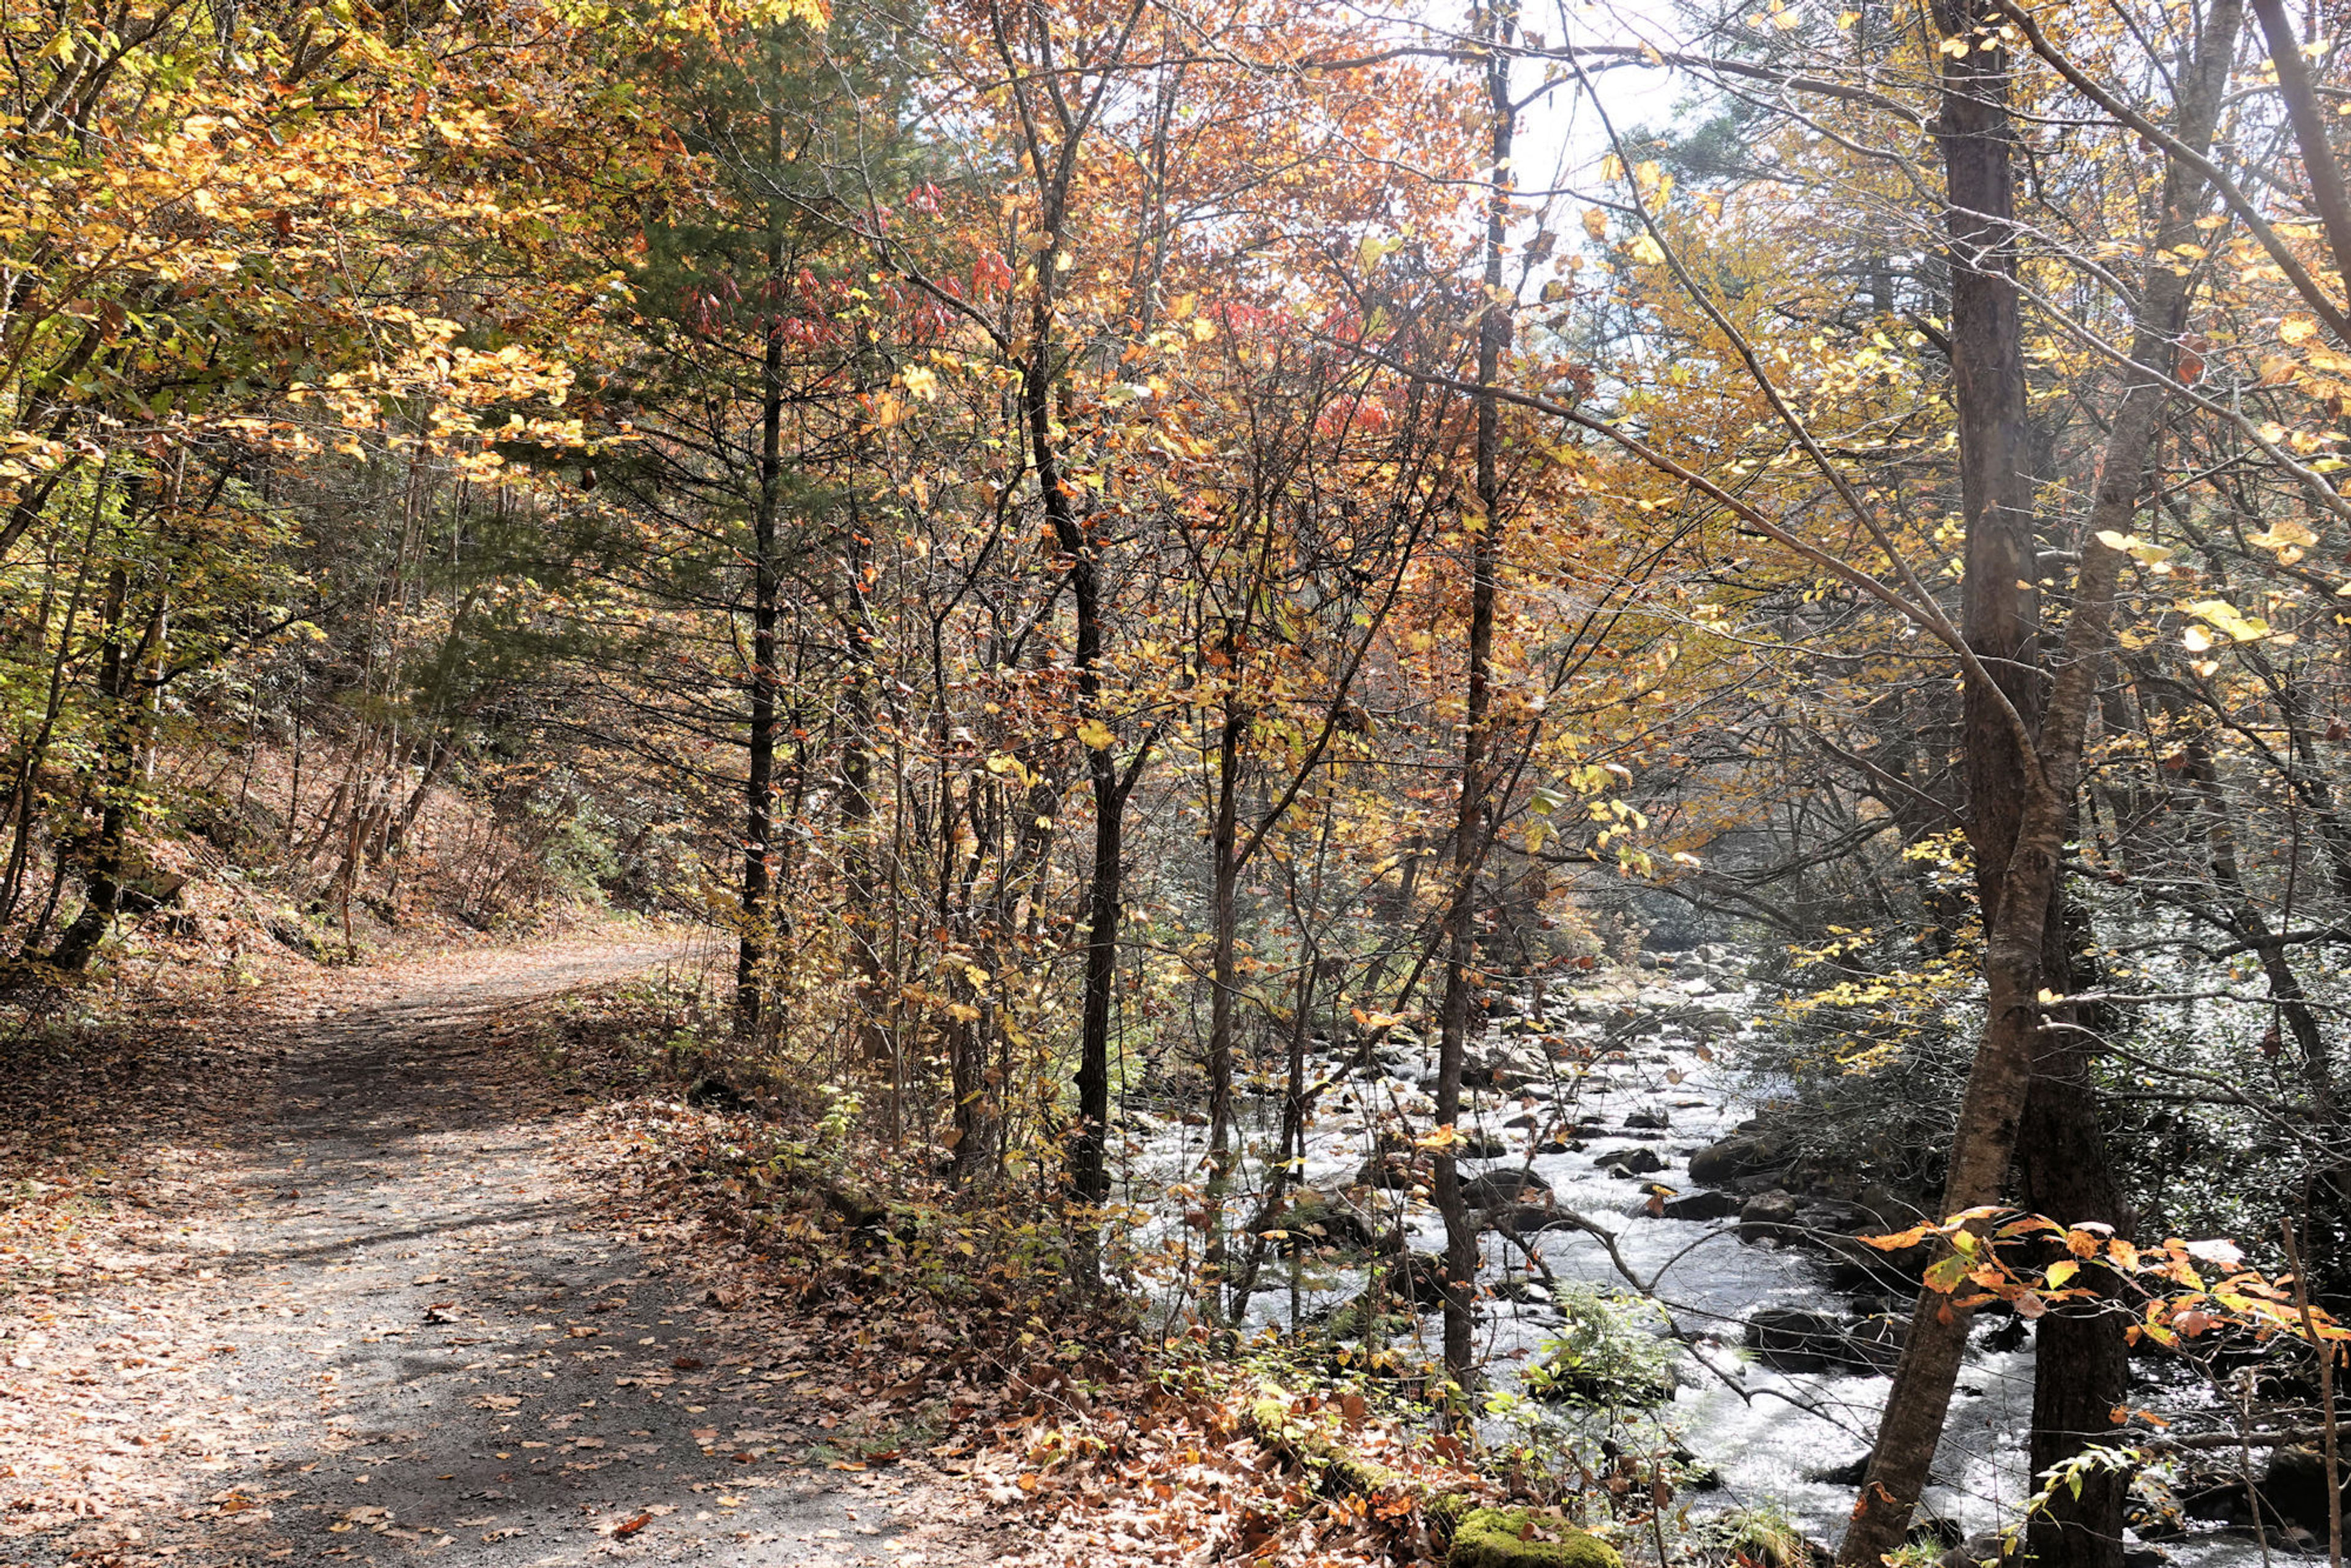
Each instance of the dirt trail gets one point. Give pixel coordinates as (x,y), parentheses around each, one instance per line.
(423,1340)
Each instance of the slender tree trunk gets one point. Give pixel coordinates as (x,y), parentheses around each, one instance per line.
(102,867)
(1469,826)
(857,820)
(758,790)
(1089,1147)
(1223,924)
(2026,888)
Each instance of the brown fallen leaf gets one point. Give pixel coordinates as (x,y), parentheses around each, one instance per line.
(629,1527)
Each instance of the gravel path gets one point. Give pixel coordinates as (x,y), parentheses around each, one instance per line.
(430,1343)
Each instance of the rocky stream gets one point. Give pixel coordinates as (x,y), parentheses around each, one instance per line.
(1628,1148)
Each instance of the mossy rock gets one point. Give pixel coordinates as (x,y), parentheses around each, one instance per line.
(1497,1538)
(1560,1381)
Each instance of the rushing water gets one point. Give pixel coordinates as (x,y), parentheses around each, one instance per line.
(1768,1435)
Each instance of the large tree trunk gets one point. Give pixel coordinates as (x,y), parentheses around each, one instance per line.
(2020,892)
(2081,1366)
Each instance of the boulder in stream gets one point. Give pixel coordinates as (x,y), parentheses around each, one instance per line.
(1392,1172)
(1511,1066)
(2292,1489)
(1700,1205)
(1417,1278)
(1792,1339)
(1630,1162)
(1527,1219)
(1319,1219)
(1768,1217)
(1509,1185)
(1747,1152)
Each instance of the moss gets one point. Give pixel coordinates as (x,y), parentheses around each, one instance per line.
(1497,1538)
(1305,1442)
(1764,1537)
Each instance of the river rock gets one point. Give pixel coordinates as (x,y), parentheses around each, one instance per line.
(1974,1551)
(1629,1162)
(1506,1067)
(1565,1383)
(2009,1337)
(1319,1219)
(2292,1488)
(1768,1216)
(1789,1338)
(1392,1172)
(1527,1219)
(1417,1278)
(1792,1339)
(1846,1475)
(1701,1205)
(1649,1120)
(1497,1189)
(1745,1153)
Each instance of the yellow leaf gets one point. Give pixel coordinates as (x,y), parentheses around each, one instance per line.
(1646,250)
(2298,329)
(2227,619)
(1596,223)
(1096,734)
(2286,533)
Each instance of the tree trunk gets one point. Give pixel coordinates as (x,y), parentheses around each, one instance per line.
(758,790)
(2081,1365)
(2022,893)
(1089,1148)
(1224,919)
(1469,826)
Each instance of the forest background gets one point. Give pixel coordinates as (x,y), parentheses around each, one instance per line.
(1128,554)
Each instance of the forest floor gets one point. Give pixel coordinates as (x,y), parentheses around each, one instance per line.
(318,1275)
